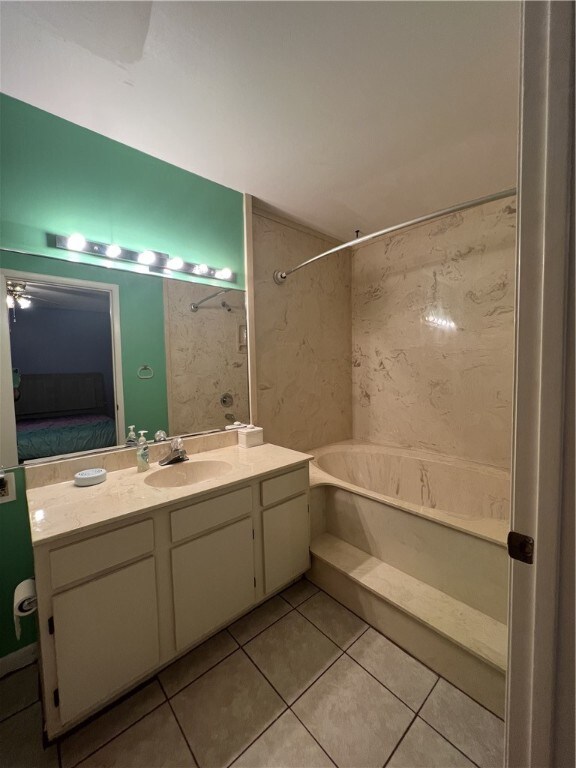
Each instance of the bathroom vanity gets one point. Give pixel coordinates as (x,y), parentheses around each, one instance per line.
(132,573)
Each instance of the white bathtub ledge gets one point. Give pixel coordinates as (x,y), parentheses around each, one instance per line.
(489,529)
(472,630)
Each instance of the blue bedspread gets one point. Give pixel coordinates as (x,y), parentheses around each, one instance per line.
(39,438)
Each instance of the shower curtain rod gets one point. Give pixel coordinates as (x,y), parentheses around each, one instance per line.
(280,276)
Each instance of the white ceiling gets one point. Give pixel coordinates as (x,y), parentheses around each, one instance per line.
(343,115)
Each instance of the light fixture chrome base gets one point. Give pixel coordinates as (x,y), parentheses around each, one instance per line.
(280,277)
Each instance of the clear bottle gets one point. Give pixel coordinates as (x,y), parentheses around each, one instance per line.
(131,439)
(142,452)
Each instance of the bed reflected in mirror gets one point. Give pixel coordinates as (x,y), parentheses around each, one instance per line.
(61,346)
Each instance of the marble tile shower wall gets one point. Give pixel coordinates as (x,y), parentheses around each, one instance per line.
(303,338)
(417,381)
(204,356)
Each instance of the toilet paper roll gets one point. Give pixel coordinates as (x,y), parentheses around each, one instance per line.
(24,602)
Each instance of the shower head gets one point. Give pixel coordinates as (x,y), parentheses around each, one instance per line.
(196,305)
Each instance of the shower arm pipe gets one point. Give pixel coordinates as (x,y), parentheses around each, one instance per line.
(280,276)
(195,305)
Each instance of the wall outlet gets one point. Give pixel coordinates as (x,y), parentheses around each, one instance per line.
(8,493)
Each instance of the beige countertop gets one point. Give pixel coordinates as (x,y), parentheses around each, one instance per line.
(63,508)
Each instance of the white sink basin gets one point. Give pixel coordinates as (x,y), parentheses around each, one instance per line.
(186,473)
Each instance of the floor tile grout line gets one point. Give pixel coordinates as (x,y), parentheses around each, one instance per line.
(19,712)
(317,679)
(325,634)
(428,695)
(318,590)
(342,604)
(209,669)
(290,609)
(286,709)
(396,696)
(411,722)
(251,660)
(314,737)
(400,740)
(307,687)
(435,729)
(443,735)
(186,741)
(116,735)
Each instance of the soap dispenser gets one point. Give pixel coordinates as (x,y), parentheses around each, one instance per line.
(142,452)
(131,439)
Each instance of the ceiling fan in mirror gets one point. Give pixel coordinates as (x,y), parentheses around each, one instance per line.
(16,296)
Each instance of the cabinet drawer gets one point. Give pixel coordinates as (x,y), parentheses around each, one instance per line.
(278,488)
(78,561)
(192,520)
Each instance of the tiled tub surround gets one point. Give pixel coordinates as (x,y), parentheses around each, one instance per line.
(303,337)
(452,491)
(300,682)
(134,571)
(205,357)
(435,581)
(420,384)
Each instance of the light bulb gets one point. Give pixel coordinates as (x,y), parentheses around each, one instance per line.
(147,257)
(24,303)
(113,251)
(175,263)
(201,269)
(76,242)
(223,274)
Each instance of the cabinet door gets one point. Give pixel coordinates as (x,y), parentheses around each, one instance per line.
(286,532)
(106,636)
(213,578)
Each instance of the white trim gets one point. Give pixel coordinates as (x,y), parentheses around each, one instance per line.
(543,244)
(8,446)
(18,659)
(250,307)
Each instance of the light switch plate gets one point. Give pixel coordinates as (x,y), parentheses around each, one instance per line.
(9,492)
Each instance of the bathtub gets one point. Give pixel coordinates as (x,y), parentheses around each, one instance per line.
(461,494)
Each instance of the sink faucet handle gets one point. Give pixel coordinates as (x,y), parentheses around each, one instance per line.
(177,444)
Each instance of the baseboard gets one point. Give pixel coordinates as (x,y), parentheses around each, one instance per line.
(20,658)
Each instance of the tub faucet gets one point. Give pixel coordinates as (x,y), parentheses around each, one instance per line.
(177,453)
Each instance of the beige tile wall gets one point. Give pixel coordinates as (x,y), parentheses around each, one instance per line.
(204,357)
(421,385)
(303,337)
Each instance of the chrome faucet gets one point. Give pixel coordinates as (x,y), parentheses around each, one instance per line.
(177,453)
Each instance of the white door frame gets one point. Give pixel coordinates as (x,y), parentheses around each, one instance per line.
(8,445)
(544,215)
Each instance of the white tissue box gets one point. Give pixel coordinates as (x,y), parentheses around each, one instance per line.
(248,437)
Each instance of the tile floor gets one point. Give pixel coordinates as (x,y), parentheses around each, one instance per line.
(301,682)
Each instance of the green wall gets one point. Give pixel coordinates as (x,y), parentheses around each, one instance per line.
(142,332)
(59,178)
(16,564)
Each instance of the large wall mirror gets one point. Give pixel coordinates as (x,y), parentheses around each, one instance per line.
(89,352)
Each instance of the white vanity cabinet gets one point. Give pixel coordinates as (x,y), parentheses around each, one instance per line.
(119,601)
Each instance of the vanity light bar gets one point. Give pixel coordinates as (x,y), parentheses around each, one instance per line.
(149,262)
